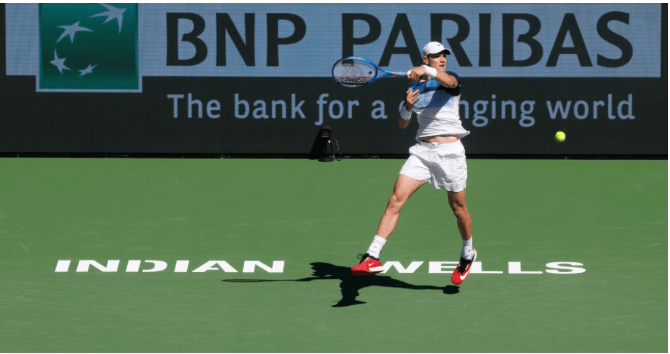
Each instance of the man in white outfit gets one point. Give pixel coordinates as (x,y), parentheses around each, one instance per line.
(438,156)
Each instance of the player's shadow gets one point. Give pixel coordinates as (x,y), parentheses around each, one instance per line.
(350,284)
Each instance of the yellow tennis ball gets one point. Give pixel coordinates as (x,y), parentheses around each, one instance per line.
(560,136)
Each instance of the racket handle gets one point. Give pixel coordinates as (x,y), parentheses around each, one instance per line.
(400,73)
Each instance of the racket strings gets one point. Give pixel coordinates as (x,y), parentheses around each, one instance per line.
(354,72)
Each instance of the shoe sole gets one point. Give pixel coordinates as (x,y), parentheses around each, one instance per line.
(372,271)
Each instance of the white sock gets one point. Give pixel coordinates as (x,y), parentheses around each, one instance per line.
(467,251)
(376,246)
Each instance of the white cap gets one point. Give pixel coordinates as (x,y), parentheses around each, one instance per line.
(435,48)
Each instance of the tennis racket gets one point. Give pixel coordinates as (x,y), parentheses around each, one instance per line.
(358,71)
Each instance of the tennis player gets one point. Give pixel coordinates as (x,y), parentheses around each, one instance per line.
(438,157)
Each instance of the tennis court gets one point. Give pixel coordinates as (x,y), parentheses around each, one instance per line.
(573,257)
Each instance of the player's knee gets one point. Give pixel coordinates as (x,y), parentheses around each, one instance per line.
(396,202)
(460,211)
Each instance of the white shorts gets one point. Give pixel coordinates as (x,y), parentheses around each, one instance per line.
(443,165)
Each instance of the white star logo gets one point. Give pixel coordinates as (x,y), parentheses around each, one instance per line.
(113,13)
(71,30)
(88,70)
(59,63)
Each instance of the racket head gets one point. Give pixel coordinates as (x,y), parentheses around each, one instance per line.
(354,71)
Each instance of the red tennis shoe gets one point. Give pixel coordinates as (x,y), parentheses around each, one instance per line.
(368,265)
(463,269)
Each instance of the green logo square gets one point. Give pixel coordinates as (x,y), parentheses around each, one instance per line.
(88,47)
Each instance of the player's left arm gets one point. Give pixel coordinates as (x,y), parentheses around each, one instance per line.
(411,97)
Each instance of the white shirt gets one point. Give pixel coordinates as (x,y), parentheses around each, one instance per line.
(437,110)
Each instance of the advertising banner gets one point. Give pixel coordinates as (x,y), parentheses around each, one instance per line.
(256,78)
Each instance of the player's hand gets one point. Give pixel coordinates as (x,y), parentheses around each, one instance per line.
(411,97)
(416,73)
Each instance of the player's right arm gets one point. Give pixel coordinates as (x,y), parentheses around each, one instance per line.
(443,78)
(411,97)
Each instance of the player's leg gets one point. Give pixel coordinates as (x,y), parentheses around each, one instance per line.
(403,188)
(460,208)
(450,171)
(464,220)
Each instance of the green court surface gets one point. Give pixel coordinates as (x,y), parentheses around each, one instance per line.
(573,257)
